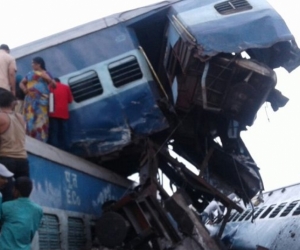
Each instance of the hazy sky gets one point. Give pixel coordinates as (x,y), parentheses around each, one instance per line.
(272,140)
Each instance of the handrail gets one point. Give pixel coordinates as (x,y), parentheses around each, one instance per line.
(154,73)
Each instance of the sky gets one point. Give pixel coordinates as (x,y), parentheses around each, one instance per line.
(274,137)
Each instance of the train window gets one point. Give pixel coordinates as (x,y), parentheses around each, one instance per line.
(246,212)
(250,214)
(258,212)
(125,71)
(85,86)
(236,217)
(268,210)
(49,233)
(232,6)
(297,211)
(289,208)
(76,233)
(232,215)
(277,210)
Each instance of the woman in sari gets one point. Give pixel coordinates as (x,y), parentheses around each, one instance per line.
(36,90)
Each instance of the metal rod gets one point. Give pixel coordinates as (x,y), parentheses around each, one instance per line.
(184,29)
(154,73)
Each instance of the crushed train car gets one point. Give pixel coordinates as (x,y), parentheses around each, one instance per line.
(176,73)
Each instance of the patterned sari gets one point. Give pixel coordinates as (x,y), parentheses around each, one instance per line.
(36,106)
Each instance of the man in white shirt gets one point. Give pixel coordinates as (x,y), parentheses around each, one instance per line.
(8,69)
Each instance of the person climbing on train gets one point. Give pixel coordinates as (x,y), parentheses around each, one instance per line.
(12,137)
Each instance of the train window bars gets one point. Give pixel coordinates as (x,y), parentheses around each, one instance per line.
(85,86)
(258,212)
(125,71)
(49,233)
(297,211)
(268,210)
(232,216)
(289,208)
(76,233)
(246,212)
(277,210)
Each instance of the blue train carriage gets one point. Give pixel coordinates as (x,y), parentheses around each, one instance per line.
(71,192)
(122,94)
(115,94)
(220,58)
(173,71)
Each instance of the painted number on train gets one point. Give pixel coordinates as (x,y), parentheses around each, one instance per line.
(72,188)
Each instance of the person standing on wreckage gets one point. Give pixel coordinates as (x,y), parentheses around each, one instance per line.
(8,69)
(12,141)
(35,86)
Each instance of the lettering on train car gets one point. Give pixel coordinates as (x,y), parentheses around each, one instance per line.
(71,194)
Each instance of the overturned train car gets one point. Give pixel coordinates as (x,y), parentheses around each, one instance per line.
(181,73)
(272,223)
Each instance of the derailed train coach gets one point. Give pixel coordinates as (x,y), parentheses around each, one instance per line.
(271,223)
(176,73)
(72,192)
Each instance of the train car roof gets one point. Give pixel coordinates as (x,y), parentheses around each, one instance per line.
(279,195)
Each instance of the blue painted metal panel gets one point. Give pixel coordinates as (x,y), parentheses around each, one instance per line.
(106,125)
(141,111)
(98,128)
(260,27)
(57,186)
(82,52)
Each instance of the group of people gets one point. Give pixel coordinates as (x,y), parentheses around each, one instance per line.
(19,216)
(37,87)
